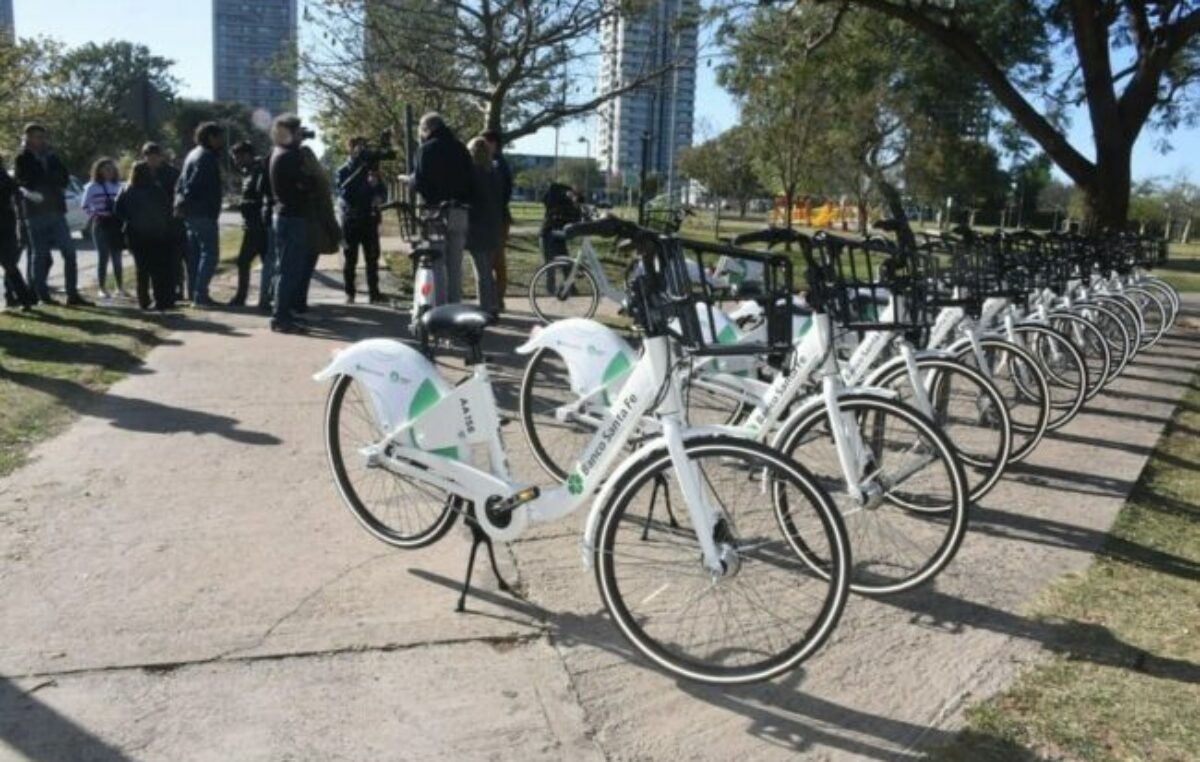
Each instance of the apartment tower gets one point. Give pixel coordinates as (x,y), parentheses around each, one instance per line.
(252,39)
(660,35)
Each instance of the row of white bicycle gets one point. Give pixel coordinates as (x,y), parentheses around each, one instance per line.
(760,455)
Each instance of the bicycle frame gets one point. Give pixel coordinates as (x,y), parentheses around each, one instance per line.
(587,258)
(467,416)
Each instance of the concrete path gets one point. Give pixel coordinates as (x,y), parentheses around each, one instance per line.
(179,580)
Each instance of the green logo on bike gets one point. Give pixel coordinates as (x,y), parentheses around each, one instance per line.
(575,484)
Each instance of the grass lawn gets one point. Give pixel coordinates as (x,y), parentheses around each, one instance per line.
(55,359)
(1183,267)
(1125,683)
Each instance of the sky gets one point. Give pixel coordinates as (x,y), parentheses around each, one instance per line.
(182,31)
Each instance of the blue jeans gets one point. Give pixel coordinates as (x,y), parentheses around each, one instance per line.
(50,231)
(203,251)
(106,249)
(293,252)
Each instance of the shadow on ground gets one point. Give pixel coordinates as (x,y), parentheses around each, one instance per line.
(37,732)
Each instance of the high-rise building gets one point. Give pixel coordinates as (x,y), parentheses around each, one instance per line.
(633,45)
(8,28)
(251,40)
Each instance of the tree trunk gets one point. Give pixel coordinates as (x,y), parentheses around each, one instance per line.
(789,199)
(1108,196)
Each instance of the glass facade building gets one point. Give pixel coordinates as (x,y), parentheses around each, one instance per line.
(251,41)
(633,45)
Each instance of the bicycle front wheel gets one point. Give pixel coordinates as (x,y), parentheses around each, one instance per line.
(968,409)
(766,611)
(562,289)
(910,513)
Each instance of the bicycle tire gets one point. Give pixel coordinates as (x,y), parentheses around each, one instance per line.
(766,574)
(986,461)
(550,305)
(428,530)
(941,520)
(1022,385)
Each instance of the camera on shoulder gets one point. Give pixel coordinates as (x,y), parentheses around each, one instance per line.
(382,151)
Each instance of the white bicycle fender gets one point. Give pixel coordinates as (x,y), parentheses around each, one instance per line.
(652,448)
(594,354)
(401,381)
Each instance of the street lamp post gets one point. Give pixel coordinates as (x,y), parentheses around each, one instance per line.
(587,169)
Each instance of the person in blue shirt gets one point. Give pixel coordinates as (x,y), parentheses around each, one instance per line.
(361,192)
(198,197)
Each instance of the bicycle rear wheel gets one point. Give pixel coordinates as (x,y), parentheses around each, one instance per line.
(563,289)
(766,611)
(395,509)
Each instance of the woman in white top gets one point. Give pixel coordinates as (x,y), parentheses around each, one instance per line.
(99,198)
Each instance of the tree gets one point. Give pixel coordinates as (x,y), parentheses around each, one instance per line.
(26,67)
(516,63)
(1133,63)
(86,87)
(724,165)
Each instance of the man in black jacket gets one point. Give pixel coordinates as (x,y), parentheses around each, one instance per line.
(198,201)
(166,176)
(360,193)
(443,173)
(295,207)
(44,180)
(256,194)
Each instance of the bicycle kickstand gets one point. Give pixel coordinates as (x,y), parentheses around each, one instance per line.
(479,537)
(659,484)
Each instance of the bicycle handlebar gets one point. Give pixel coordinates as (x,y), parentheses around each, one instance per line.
(607,227)
(770,236)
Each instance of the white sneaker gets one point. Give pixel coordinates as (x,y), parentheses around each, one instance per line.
(123,293)
(102,294)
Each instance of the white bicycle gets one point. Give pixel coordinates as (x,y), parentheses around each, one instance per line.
(718,594)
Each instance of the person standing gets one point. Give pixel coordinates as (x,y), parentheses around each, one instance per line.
(293,190)
(143,208)
(198,201)
(561,209)
(166,177)
(500,162)
(256,193)
(486,222)
(43,179)
(443,174)
(360,194)
(99,197)
(16,291)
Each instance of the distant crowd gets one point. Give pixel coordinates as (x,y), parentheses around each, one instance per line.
(167,219)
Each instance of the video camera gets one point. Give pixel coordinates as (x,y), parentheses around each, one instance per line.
(384,151)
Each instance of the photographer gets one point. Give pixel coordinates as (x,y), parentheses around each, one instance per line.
(360,193)
(256,196)
(44,179)
(198,201)
(294,191)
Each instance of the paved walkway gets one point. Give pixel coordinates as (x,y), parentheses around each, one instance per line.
(179,580)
